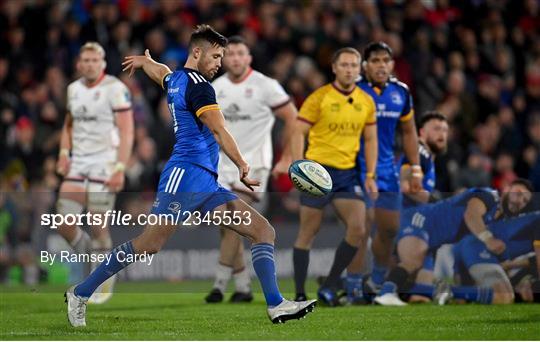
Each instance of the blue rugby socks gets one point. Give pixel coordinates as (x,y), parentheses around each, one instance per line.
(262,256)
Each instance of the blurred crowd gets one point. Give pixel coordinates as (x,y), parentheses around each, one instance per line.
(477,61)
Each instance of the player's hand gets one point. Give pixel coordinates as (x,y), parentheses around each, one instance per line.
(134,62)
(281,168)
(62,165)
(243,169)
(495,245)
(371,188)
(415,183)
(116,182)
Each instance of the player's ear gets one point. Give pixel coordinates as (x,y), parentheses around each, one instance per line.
(196,52)
(104,64)
(250,58)
(364,64)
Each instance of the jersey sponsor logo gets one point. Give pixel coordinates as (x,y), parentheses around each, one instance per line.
(231,114)
(345,128)
(396,98)
(196,78)
(388,114)
(173,90)
(249,93)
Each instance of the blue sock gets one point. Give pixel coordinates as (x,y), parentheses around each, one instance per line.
(378,274)
(105,270)
(422,290)
(483,295)
(388,287)
(262,256)
(354,285)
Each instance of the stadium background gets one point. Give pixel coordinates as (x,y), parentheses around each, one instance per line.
(477,61)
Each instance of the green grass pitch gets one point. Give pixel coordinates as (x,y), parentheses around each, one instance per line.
(176,311)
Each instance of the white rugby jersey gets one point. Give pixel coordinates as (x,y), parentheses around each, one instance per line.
(93,110)
(247,107)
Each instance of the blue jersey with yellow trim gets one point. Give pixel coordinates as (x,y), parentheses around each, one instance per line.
(189,95)
(393,104)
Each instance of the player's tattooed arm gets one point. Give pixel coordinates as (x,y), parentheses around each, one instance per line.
(215,121)
(474,220)
(156,71)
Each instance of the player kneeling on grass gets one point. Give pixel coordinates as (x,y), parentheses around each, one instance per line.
(474,264)
(432,225)
(188,182)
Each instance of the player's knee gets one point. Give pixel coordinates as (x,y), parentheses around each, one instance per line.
(65,206)
(355,233)
(263,232)
(503,293)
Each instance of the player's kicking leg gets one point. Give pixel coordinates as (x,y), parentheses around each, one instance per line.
(261,234)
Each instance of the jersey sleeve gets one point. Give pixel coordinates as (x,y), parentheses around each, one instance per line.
(274,94)
(408,110)
(489,197)
(201,97)
(119,97)
(165,81)
(311,108)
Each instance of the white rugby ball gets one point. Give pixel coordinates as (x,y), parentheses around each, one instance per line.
(310,177)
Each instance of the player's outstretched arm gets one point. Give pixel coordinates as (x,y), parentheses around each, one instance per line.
(215,121)
(156,71)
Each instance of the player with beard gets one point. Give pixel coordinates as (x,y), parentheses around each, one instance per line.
(188,183)
(433,141)
(428,227)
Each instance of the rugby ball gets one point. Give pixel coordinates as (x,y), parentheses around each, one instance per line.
(310,177)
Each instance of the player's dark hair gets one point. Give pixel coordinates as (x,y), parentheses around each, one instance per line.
(236,40)
(524,182)
(533,204)
(431,115)
(376,47)
(205,33)
(341,51)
